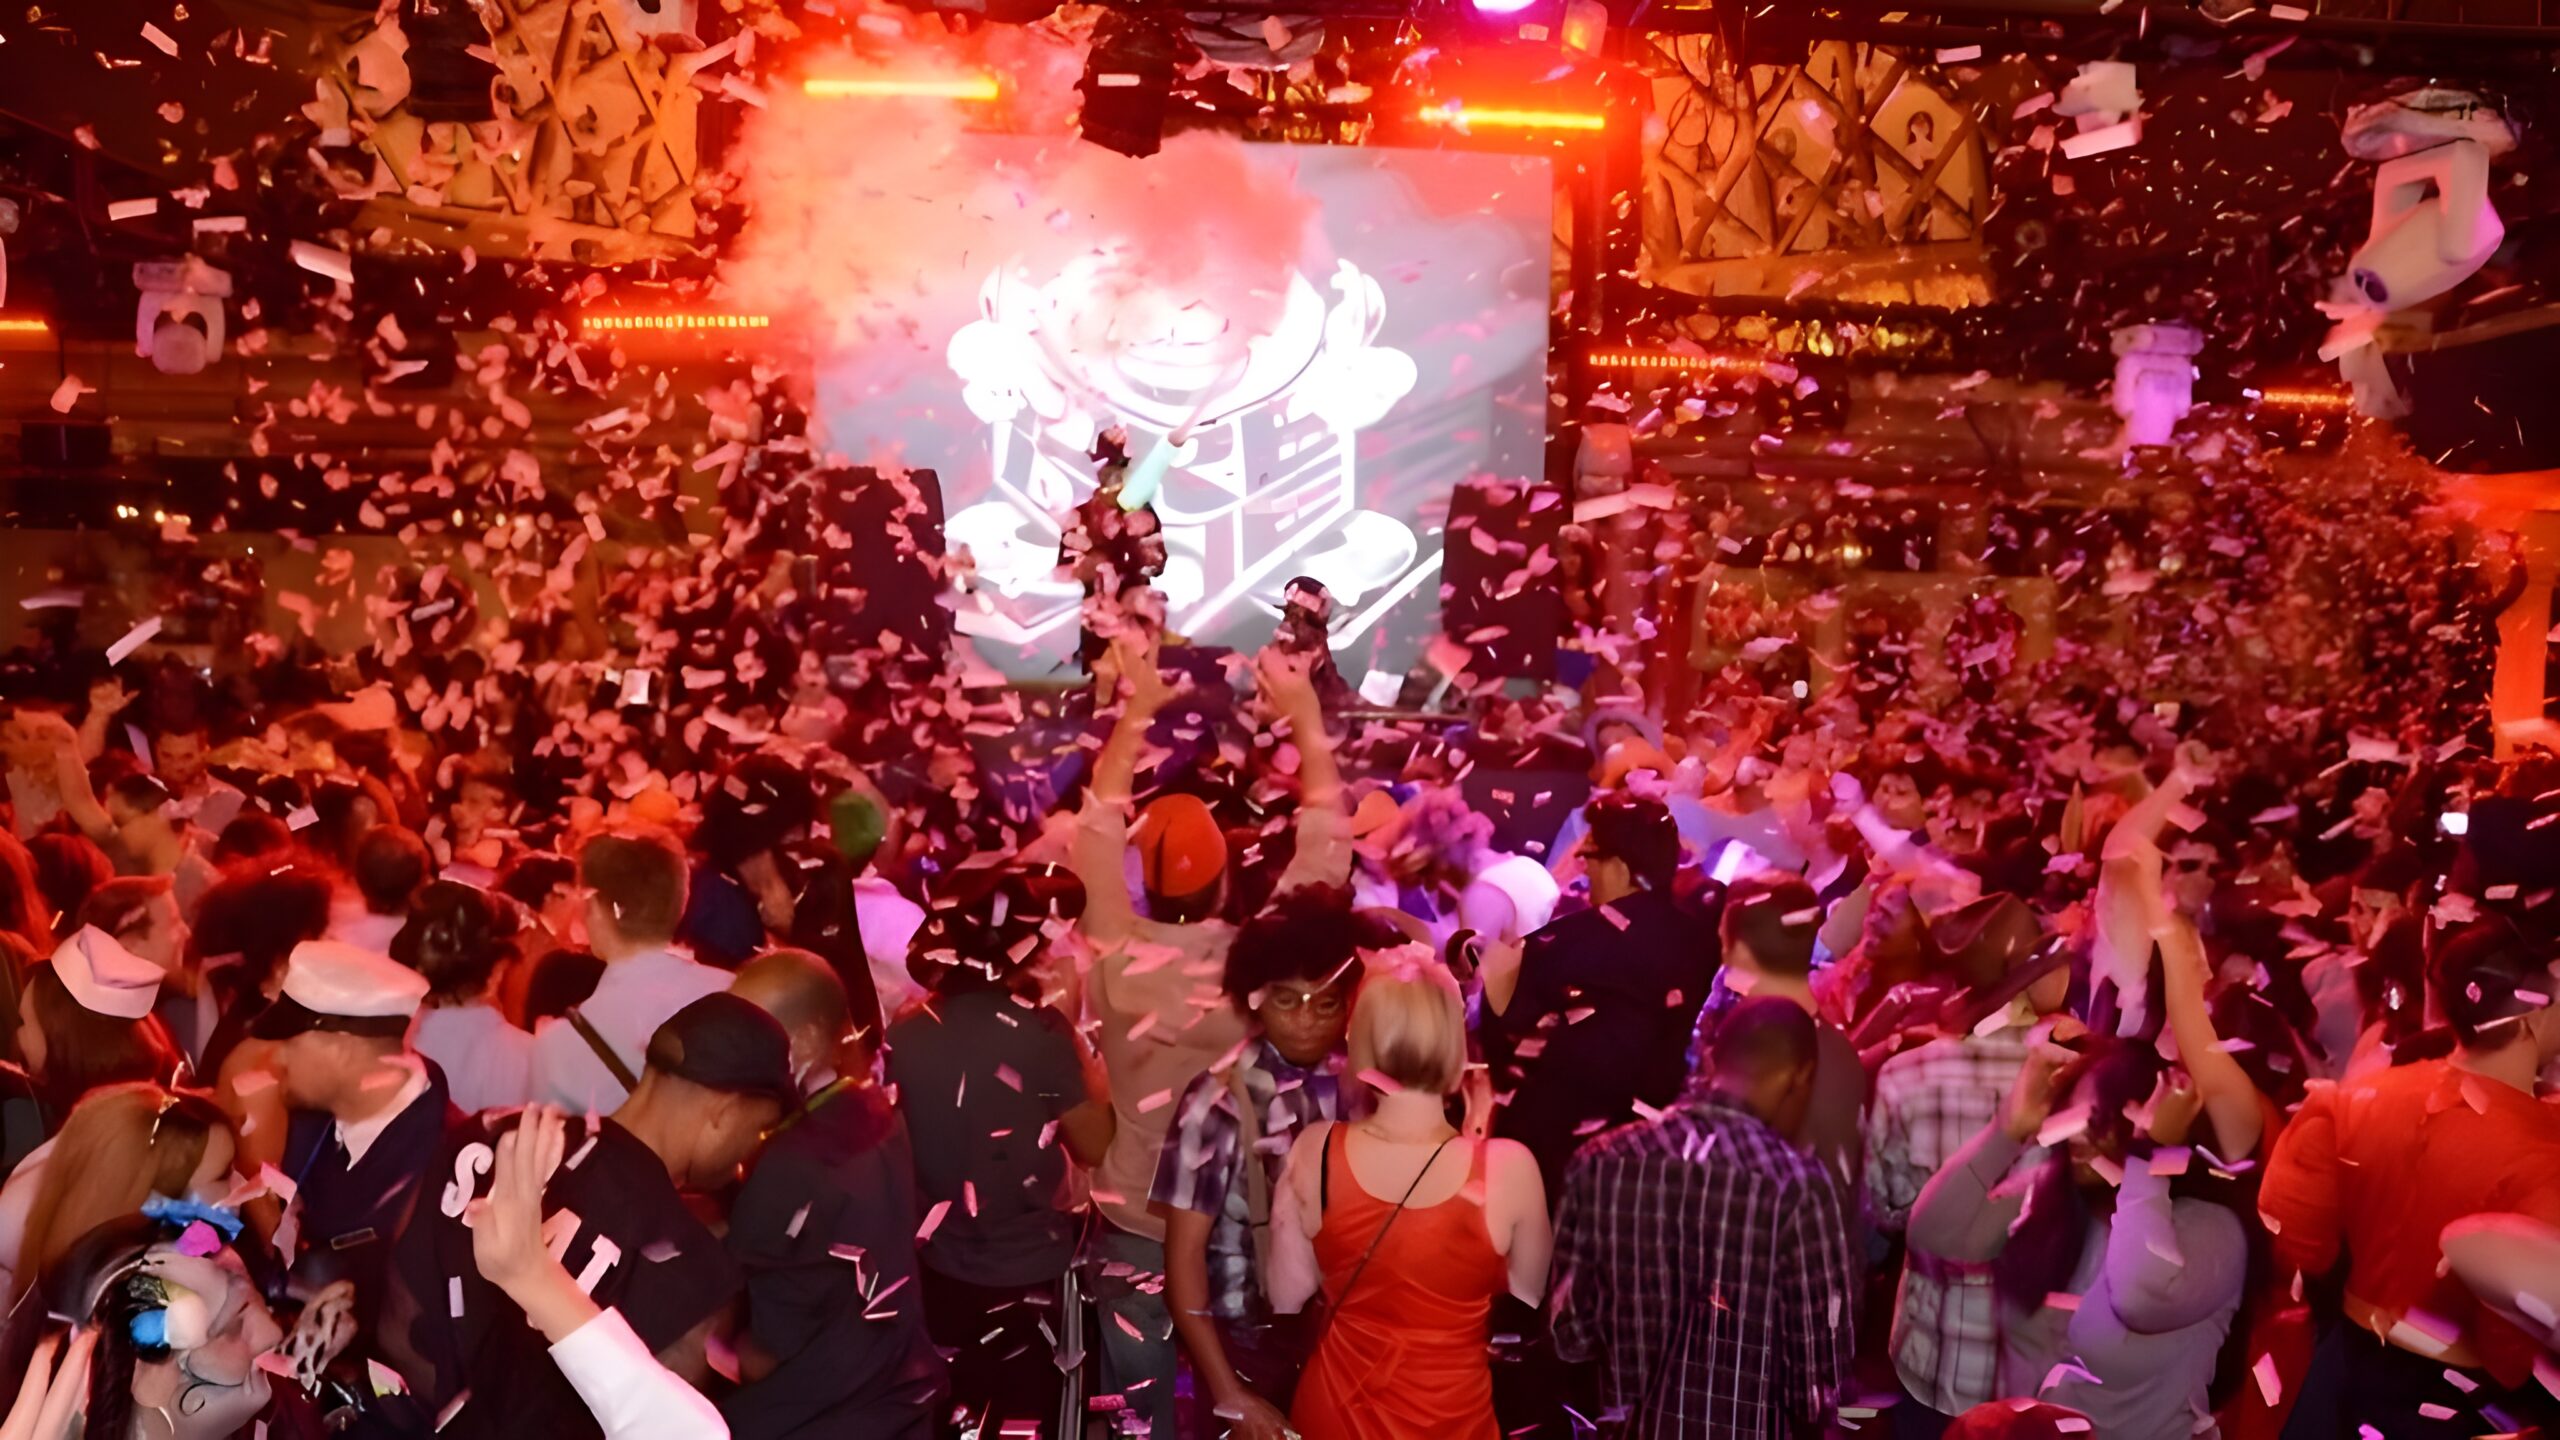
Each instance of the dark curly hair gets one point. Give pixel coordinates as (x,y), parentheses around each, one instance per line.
(1314,932)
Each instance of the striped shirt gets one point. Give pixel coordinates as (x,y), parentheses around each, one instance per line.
(1706,1263)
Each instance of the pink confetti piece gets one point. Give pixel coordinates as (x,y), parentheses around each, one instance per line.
(933,1220)
(67,394)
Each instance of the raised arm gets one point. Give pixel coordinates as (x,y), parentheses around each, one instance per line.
(79,798)
(1101,838)
(2230,1098)
(1957,1217)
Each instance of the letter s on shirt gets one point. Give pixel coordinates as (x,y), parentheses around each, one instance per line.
(469,1163)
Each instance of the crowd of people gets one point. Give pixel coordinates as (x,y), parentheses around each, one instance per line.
(1796,1067)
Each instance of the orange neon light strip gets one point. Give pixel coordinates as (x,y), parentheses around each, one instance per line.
(1469,117)
(2340,401)
(593,323)
(1658,360)
(878,87)
(24,325)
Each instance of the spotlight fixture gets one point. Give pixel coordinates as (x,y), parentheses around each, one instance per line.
(179,321)
(1127,84)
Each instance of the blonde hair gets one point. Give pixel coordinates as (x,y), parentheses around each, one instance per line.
(1408,1025)
(119,1147)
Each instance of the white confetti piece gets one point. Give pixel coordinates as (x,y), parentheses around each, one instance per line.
(321,260)
(134,639)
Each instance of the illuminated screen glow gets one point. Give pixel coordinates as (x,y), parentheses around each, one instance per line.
(1322,436)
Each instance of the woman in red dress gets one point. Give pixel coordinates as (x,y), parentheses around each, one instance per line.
(1410,1228)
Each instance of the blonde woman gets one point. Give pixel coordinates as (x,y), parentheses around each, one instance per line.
(1408,1227)
(121,1145)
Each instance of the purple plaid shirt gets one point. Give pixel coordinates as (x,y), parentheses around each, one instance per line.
(1201,1169)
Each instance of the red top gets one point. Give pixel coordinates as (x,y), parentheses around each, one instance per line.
(2383,1165)
(1403,1355)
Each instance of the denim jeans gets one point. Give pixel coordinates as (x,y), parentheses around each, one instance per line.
(1136,1331)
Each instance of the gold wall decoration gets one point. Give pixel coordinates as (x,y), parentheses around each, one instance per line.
(1858,175)
(591,157)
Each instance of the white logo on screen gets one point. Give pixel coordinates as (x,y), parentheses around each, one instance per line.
(1265,487)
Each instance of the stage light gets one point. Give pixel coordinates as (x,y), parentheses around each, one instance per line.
(677,320)
(979,88)
(1462,117)
(1502,7)
(24,325)
(1127,83)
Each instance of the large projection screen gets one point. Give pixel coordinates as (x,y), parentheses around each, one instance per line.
(1407,355)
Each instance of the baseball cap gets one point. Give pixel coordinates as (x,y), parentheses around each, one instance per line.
(723,1042)
(1181,850)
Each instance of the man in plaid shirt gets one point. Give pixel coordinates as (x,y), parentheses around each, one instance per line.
(1704,1260)
(1928,1103)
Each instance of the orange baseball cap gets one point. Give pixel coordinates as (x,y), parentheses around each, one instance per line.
(1181,849)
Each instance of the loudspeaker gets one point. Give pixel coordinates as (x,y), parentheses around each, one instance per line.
(876,559)
(1498,590)
(2484,408)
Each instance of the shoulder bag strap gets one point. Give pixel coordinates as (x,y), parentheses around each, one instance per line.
(1380,1238)
(612,1063)
(1257,1175)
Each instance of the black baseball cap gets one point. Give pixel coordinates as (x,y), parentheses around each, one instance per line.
(721,1042)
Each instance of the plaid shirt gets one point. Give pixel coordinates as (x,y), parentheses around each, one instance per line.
(1200,1170)
(1706,1261)
(1928,1103)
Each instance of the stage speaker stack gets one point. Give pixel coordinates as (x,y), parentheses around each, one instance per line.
(1498,583)
(875,551)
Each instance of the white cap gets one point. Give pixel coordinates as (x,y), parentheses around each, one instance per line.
(332,977)
(106,978)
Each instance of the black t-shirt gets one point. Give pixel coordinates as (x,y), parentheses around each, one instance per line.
(633,1246)
(825,1229)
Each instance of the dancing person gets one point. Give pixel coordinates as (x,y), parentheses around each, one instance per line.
(588,1061)
(1408,1283)
(1163,1023)
(2376,1169)
(2158,1275)
(626,1391)
(1703,1259)
(1291,972)
(1928,1103)
(716,1077)
(829,1347)
(1594,1017)
(456,937)
(999,1092)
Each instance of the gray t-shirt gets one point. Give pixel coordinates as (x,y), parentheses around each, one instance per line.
(982,1078)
